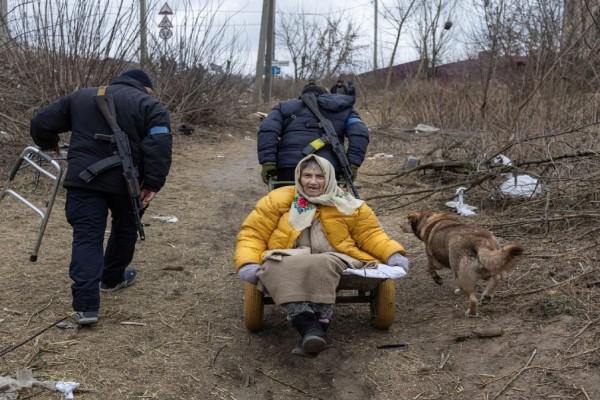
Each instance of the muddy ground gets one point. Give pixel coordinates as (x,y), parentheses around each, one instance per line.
(179,333)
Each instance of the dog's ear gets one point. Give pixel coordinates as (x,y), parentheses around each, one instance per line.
(414,218)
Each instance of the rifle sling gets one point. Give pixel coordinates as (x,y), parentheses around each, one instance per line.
(311,102)
(107,108)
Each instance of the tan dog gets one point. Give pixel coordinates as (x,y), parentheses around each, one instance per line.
(472,253)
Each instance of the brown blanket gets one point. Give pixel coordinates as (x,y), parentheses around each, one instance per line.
(306,277)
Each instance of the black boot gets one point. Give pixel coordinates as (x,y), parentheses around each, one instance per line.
(299,351)
(313,335)
(328,340)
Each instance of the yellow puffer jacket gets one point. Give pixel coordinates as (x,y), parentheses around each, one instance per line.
(358,235)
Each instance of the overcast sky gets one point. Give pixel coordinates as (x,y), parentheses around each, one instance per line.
(246,18)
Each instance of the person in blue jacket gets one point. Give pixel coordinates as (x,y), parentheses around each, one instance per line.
(290,127)
(147,124)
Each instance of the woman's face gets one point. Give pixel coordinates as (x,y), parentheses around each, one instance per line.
(312,180)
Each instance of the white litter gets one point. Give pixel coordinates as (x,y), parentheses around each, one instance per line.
(425,128)
(380,156)
(25,379)
(519,185)
(459,205)
(67,388)
(170,219)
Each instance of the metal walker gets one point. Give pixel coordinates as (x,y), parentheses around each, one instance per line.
(33,156)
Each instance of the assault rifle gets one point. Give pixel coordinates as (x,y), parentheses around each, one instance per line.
(106,105)
(330,137)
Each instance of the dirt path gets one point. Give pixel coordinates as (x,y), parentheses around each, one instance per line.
(189,340)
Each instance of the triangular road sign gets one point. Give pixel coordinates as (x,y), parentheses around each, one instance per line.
(165,10)
(165,23)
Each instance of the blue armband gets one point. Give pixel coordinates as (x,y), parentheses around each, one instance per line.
(157,130)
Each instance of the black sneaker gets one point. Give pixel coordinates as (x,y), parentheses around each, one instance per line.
(85,318)
(128,278)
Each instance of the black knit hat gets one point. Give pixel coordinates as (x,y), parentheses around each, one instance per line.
(317,89)
(139,76)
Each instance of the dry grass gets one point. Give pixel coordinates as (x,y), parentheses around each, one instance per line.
(188,339)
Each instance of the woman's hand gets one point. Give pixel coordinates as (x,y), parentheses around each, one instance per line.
(248,273)
(398,260)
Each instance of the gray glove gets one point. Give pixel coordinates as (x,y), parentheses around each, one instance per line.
(248,273)
(398,260)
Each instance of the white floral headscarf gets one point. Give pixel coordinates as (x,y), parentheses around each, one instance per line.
(303,207)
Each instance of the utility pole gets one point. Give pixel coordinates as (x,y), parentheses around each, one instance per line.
(375,39)
(4,36)
(260,57)
(270,52)
(143,35)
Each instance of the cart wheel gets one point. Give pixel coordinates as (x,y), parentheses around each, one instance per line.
(383,305)
(253,307)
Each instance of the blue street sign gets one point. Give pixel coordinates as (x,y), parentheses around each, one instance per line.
(275,70)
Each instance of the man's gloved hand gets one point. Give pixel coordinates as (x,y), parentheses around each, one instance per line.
(269,170)
(248,273)
(354,169)
(398,260)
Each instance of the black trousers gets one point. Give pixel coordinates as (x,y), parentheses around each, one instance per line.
(87,212)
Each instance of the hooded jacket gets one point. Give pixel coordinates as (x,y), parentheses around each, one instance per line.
(142,117)
(283,145)
(358,235)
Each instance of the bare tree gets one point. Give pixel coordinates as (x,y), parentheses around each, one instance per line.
(397,15)
(431,38)
(58,46)
(319,46)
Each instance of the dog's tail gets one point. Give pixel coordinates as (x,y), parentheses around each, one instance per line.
(500,260)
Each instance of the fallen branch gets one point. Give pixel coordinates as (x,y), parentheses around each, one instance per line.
(287,384)
(551,286)
(584,393)
(514,378)
(582,353)
(444,360)
(214,360)
(436,165)
(470,184)
(11,348)
(534,221)
(584,328)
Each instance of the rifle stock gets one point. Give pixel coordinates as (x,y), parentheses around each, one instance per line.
(106,105)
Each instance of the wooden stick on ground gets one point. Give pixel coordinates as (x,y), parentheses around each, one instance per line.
(286,384)
(551,286)
(583,353)
(11,348)
(516,375)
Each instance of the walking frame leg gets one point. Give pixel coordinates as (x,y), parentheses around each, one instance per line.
(55,176)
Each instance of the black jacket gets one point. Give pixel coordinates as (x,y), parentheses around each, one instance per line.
(284,146)
(143,118)
(335,89)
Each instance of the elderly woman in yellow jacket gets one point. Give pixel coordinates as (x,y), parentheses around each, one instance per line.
(297,241)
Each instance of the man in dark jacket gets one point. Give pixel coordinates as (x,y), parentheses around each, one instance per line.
(284,134)
(147,125)
(339,87)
